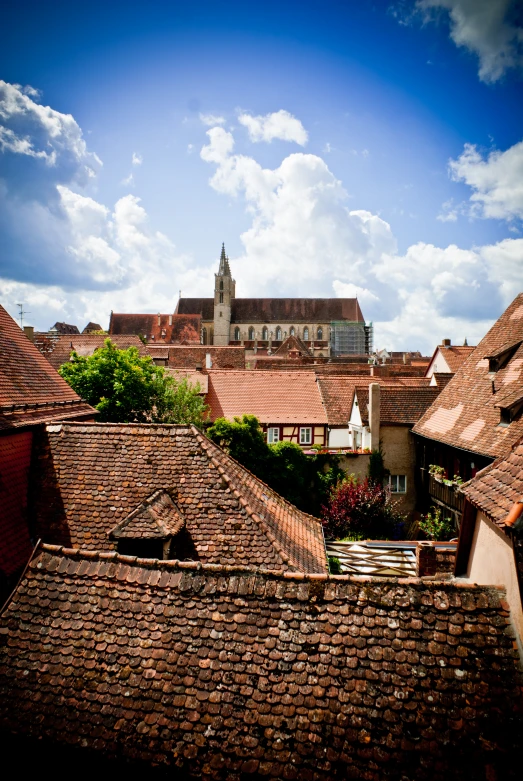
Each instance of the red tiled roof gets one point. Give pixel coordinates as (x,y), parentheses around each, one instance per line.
(157,517)
(190,356)
(89,478)
(158,328)
(453,356)
(65,328)
(31,391)
(278,310)
(338,392)
(219,673)
(274,397)
(86,344)
(465,414)
(497,487)
(291,343)
(90,327)
(193,378)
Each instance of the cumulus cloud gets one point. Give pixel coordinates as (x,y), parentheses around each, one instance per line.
(136,159)
(280,124)
(304,240)
(496,181)
(62,253)
(210,120)
(490,29)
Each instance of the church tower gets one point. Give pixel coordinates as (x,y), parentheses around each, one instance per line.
(224,292)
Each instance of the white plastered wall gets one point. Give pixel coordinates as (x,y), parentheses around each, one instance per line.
(491,562)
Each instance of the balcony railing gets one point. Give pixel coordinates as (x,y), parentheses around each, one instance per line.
(448,495)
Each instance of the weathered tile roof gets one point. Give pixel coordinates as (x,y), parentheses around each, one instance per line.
(191,356)
(405,405)
(225,672)
(90,327)
(157,517)
(158,328)
(31,391)
(193,378)
(65,328)
(274,397)
(278,310)
(89,478)
(454,355)
(86,344)
(497,487)
(294,344)
(466,415)
(338,392)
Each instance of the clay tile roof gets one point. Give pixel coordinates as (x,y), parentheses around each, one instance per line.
(338,392)
(31,391)
(465,414)
(88,479)
(455,356)
(278,310)
(156,518)
(158,328)
(497,487)
(86,344)
(405,405)
(90,327)
(274,397)
(193,378)
(221,672)
(191,356)
(292,343)
(65,328)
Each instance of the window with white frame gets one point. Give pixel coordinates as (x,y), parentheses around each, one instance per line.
(398,484)
(305,435)
(273,435)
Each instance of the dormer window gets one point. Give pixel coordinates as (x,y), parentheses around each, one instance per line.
(499,359)
(510,408)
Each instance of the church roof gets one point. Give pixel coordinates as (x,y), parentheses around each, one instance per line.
(278,310)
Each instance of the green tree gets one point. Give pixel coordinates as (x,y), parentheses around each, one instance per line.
(126,387)
(303,480)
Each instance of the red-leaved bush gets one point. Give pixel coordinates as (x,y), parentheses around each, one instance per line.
(361,509)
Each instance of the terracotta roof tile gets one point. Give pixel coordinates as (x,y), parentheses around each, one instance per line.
(497,487)
(278,310)
(274,397)
(466,414)
(222,672)
(191,356)
(158,328)
(31,391)
(89,478)
(338,392)
(157,517)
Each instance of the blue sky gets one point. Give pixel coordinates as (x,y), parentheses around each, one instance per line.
(371,149)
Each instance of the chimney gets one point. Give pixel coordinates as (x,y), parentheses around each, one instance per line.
(446,343)
(159,318)
(374,415)
(170,319)
(29,331)
(208,361)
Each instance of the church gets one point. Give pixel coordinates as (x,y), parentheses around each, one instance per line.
(327,326)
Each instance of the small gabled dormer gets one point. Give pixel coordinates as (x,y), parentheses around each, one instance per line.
(498,360)
(510,407)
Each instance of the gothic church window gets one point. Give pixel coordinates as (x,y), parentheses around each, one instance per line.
(237,336)
(320,333)
(221,284)
(306,334)
(251,333)
(265,333)
(291,332)
(221,298)
(278,334)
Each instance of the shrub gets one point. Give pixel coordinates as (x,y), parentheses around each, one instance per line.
(361,509)
(436,526)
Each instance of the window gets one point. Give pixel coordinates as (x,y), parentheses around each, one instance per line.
(221,284)
(320,333)
(305,435)
(291,332)
(278,334)
(221,298)
(398,484)
(237,336)
(204,335)
(251,333)
(273,435)
(305,334)
(265,333)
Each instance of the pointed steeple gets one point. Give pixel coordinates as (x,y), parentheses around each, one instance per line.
(224,270)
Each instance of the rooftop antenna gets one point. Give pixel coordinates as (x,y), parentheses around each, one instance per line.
(21,314)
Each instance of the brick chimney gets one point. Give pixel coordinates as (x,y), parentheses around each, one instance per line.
(446,343)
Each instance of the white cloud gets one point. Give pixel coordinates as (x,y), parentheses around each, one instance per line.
(488,28)
(350,290)
(497,180)
(128,181)
(136,159)
(280,124)
(210,120)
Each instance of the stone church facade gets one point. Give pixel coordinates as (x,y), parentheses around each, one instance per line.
(327,326)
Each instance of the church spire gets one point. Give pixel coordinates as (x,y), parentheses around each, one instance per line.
(224,270)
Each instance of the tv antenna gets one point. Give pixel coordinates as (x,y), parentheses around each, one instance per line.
(21,314)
